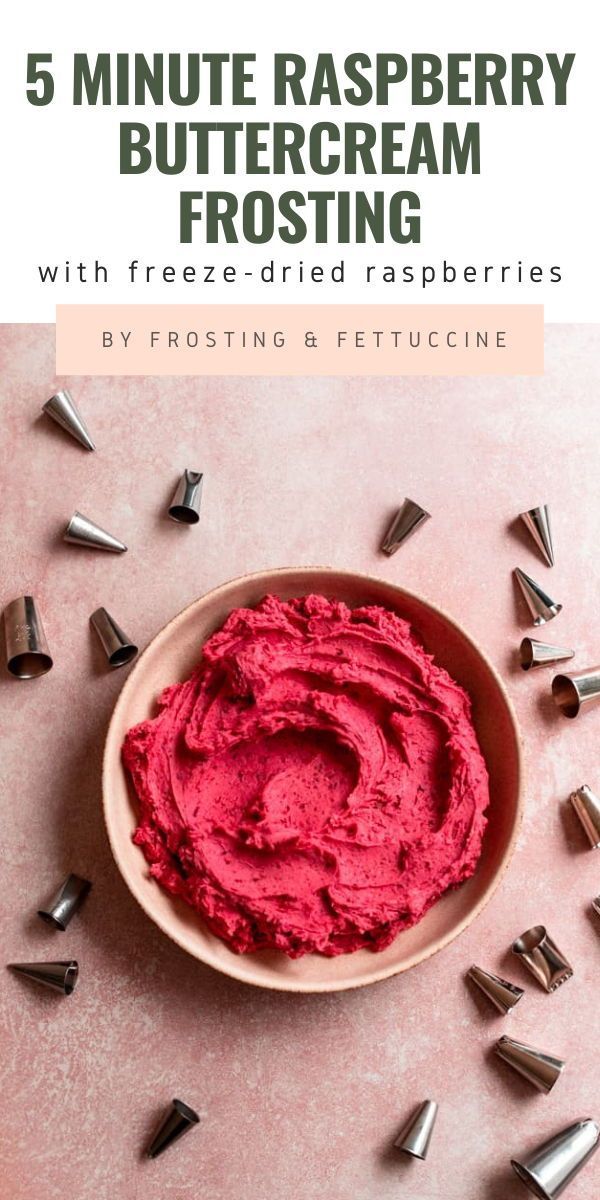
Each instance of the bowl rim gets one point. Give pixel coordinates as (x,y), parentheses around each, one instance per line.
(230,966)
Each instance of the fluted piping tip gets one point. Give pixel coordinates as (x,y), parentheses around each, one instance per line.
(500,992)
(541,607)
(538,1068)
(407,520)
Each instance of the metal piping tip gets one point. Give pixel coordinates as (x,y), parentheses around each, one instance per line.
(27,653)
(82,532)
(540,1069)
(503,995)
(540,654)
(415,1135)
(549,1170)
(542,957)
(537,521)
(60,976)
(596,905)
(64,411)
(185,505)
(176,1122)
(119,649)
(406,522)
(64,904)
(541,607)
(572,692)
(587,806)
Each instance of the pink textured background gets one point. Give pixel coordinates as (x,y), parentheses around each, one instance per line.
(299,1096)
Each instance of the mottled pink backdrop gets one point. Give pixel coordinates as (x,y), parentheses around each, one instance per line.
(300,1097)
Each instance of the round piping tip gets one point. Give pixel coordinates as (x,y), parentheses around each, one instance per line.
(534,654)
(81,531)
(59,976)
(415,1135)
(179,1119)
(119,649)
(64,411)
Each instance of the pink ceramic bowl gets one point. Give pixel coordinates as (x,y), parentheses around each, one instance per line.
(172,655)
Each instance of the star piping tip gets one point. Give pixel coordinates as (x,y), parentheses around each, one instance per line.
(407,520)
(541,607)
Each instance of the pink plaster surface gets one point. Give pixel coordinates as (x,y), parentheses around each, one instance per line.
(299,1096)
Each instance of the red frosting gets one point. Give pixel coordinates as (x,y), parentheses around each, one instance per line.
(315,785)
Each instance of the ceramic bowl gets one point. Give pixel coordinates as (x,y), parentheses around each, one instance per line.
(172,655)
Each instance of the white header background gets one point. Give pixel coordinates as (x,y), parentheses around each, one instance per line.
(63,197)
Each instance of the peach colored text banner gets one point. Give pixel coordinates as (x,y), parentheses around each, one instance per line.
(300,339)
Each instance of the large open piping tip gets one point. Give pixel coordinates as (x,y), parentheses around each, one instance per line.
(27,653)
(573,692)
(64,411)
(553,1166)
(537,522)
(408,519)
